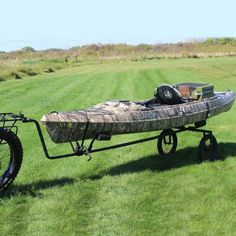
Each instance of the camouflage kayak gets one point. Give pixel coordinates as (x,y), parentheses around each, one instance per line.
(123,117)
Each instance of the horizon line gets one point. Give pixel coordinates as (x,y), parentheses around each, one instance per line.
(189,40)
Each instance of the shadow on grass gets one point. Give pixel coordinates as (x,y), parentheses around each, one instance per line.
(33,189)
(157,163)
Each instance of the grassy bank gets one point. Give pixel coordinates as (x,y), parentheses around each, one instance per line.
(128,191)
(27,62)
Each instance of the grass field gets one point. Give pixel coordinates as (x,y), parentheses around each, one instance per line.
(128,191)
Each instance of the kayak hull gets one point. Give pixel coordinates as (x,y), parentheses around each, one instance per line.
(124,117)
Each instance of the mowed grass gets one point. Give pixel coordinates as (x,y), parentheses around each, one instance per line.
(127,191)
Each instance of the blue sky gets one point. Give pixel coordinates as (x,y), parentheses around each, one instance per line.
(65,23)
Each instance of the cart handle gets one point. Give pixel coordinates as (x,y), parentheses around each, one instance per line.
(44,146)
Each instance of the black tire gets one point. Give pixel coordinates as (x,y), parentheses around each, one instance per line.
(162,140)
(11,154)
(207,149)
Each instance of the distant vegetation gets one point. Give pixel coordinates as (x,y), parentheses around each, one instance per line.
(29,62)
(28,49)
(220,41)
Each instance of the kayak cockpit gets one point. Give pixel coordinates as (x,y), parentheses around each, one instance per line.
(166,94)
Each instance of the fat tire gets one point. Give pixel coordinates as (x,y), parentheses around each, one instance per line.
(164,133)
(202,148)
(15,157)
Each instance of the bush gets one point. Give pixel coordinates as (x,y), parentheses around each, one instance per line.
(28,71)
(2,79)
(48,70)
(224,40)
(14,75)
(28,49)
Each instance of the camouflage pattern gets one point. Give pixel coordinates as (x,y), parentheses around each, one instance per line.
(122,117)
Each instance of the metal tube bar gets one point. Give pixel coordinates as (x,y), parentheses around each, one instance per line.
(123,144)
(193,129)
(142,140)
(26,120)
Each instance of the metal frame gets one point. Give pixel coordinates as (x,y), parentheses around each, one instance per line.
(9,121)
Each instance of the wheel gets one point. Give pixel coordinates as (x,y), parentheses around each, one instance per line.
(10,157)
(207,149)
(167,142)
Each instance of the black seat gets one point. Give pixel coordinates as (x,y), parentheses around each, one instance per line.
(166,94)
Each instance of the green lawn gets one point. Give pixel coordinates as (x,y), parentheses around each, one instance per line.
(128,191)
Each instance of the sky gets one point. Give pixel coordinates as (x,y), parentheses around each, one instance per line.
(44,24)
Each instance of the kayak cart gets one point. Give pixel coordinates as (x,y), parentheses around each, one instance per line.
(11,151)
